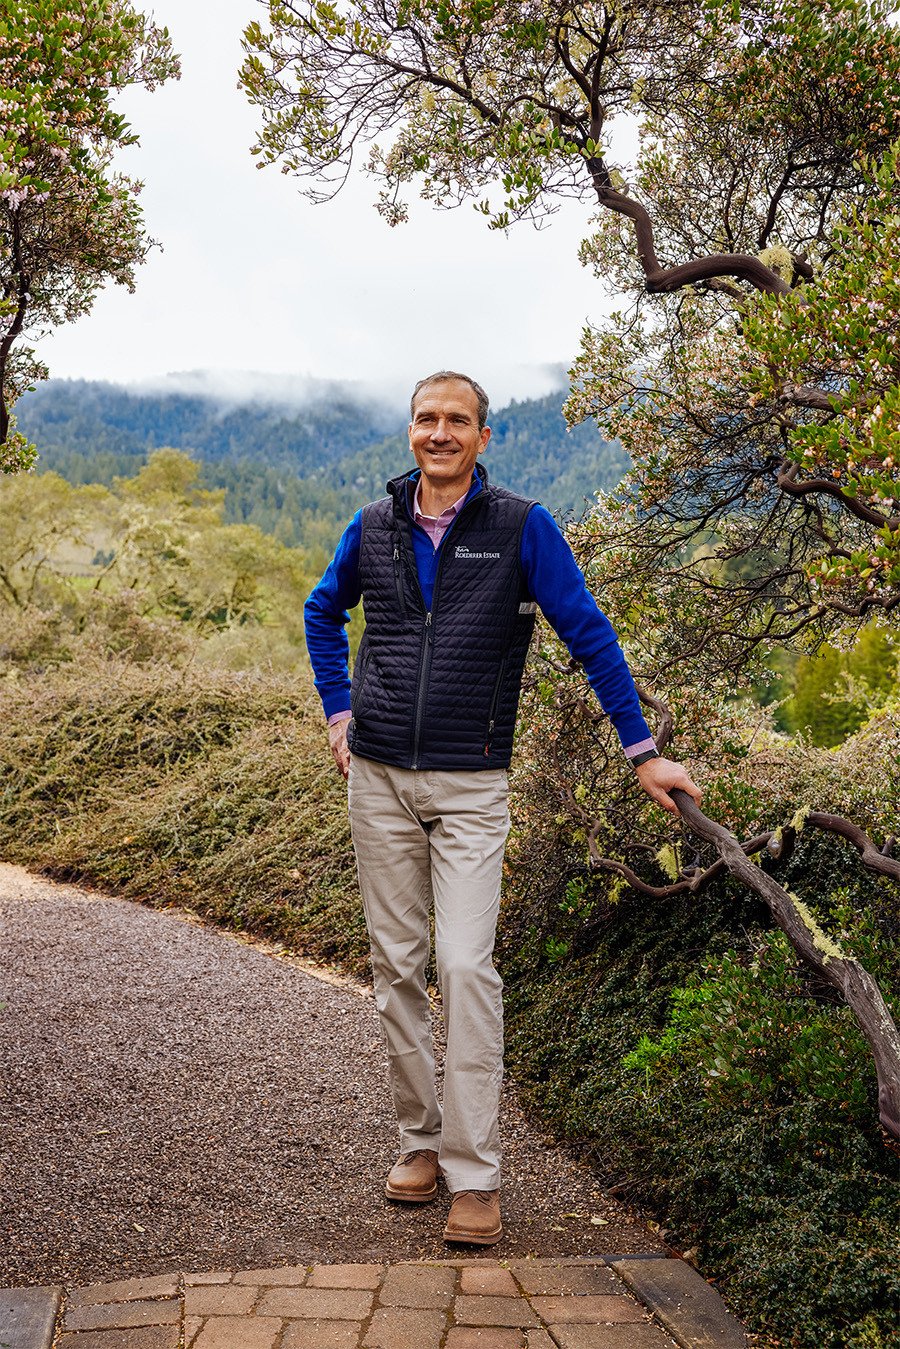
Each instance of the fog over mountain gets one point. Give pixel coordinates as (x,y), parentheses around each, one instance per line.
(297,457)
(260,388)
(237,387)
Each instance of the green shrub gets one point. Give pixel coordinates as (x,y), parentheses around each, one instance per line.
(709,1075)
(736,1106)
(208,789)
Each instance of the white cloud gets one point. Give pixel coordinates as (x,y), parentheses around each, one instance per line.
(389,397)
(252,277)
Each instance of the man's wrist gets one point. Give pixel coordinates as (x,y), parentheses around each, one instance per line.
(639,751)
(339,716)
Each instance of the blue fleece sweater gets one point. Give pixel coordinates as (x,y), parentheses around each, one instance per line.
(554,580)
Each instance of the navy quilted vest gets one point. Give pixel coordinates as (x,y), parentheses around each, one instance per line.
(440,690)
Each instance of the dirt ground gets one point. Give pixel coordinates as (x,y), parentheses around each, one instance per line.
(173,1097)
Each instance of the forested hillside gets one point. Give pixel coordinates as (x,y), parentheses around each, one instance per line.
(299,473)
(89,417)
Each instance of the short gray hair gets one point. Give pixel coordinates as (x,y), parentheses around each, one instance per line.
(444,377)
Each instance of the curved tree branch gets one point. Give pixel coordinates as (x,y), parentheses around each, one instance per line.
(692,882)
(659,279)
(872,858)
(857,987)
(823,487)
(666,720)
(561,42)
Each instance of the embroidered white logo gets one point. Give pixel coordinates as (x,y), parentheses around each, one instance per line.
(463,552)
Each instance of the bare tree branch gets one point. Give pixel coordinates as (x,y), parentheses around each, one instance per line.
(873,858)
(666,720)
(824,487)
(659,279)
(857,987)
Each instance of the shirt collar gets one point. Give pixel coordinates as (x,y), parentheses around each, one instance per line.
(450,512)
(415,499)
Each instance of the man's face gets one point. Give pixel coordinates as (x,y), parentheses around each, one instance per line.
(444,435)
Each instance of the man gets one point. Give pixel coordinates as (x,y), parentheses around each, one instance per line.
(451,570)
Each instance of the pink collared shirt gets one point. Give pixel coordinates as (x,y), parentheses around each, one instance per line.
(436,526)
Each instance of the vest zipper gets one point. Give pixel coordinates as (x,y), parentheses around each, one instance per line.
(498,685)
(428,640)
(398,580)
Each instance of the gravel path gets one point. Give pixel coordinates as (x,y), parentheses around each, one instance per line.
(172,1097)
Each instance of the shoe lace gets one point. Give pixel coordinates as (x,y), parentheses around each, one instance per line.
(411,1156)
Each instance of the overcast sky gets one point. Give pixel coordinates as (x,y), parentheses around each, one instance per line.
(253,278)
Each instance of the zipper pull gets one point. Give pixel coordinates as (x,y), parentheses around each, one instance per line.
(487,743)
(396,552)
(428,625)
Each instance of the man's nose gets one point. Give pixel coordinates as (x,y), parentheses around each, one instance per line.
(441,432)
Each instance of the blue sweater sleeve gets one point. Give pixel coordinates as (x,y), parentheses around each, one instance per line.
(557,584)
(325,615)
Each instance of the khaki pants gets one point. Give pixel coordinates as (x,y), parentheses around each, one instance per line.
(423,838)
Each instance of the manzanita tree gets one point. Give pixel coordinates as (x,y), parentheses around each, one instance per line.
(764,504)
(765,130)
(68,220)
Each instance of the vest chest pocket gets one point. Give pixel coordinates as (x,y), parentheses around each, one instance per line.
(398,581)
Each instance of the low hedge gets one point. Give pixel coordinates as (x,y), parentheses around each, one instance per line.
(206,789)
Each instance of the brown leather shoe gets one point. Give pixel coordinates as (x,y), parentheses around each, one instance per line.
(475,1218)
(413,1177)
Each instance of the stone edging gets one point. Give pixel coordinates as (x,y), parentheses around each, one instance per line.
(449,1304)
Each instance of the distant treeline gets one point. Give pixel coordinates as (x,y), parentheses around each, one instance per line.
(300,474)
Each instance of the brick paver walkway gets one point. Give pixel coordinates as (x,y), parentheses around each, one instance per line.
(475,1304)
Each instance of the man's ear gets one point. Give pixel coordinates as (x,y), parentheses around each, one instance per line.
(485,437)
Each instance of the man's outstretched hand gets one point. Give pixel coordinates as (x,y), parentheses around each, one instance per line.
(337,739)
(659,776)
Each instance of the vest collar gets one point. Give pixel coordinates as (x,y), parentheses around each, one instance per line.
(398,487)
